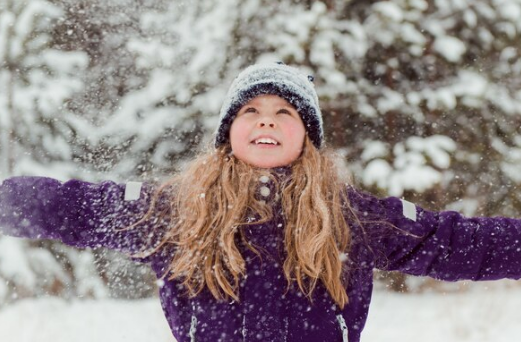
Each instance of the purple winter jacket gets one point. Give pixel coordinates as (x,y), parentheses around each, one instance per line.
(395,235)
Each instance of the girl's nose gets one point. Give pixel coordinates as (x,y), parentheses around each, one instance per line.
(266,122)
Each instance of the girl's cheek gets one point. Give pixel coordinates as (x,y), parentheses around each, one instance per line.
(295,132)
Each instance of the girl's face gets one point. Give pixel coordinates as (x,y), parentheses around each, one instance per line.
(267,132)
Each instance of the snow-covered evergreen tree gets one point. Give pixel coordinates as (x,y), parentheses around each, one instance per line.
(411,87)
(183,51)
(36,81)
(101,29)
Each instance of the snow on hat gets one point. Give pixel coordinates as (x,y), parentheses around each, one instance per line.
(275,79)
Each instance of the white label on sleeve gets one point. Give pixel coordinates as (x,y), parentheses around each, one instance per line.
(132,191)
(409,210)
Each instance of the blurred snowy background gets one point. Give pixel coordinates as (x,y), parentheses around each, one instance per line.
(421,97)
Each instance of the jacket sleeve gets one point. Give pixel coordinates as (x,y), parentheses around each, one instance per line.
(400,236)
(78,213)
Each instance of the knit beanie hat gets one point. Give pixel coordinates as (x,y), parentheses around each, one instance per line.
(274,79)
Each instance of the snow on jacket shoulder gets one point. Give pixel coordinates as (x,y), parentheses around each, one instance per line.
(78,213)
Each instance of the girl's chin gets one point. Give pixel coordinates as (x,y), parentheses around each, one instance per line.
(265,159)
(265,164)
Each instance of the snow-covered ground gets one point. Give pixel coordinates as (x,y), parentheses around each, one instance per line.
(476,316)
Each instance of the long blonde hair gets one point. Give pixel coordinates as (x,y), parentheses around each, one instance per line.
(210,201)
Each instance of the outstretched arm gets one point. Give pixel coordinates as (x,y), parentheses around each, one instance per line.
(444,245)
(78,213)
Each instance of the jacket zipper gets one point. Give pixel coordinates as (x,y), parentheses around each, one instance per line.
(343,327)
(193,327)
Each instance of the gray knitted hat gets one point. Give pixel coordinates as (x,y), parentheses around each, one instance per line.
(275,79)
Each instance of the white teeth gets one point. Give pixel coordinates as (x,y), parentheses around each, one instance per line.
(265,141)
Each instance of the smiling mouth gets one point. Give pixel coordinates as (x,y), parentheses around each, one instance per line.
(265,141)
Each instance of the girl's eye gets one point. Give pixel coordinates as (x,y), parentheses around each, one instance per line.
(250,110)
(283,111)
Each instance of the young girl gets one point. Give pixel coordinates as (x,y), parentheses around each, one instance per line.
(260,239)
